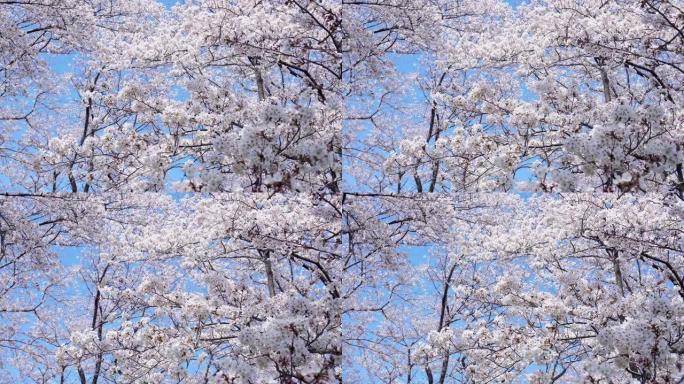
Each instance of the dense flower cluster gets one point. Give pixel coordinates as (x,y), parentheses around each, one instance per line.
(199,290)
(572,289)
(550,95)
(204,96)
(319,191)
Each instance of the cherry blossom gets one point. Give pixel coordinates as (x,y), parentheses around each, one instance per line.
(495,288)
(547,96)
(222,289)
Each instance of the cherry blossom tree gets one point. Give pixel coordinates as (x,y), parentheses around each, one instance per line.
(220,289)
(205,96)
(550,96)
(29,285)
(306,191)
(419,288)
(493,288)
